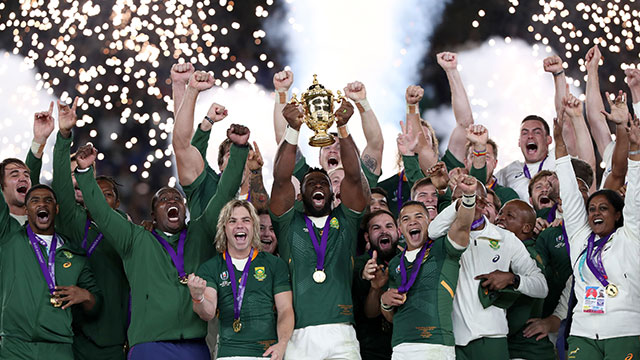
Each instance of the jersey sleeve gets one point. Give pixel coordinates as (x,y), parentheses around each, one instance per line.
(281,226)
(450,161)
(281,281)
(208,273)
(35,167)
(301,168)
(87,281)
(200,141)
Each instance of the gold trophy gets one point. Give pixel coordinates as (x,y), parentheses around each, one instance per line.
(318,112)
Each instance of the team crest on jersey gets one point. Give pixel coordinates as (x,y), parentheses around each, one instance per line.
(67,254)
(559,241)
(259,273)
(224,276)
(335,224)
(494,244)
(398,270)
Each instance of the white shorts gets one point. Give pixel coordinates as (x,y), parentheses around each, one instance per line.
(418,351)
(324,342)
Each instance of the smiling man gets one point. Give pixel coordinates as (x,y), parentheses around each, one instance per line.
(319,243)
(267,234)
(534,142)
(244,284)
(157,263)
(45,277)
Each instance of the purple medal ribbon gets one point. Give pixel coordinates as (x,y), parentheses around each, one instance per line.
(406,285)
(238,290)
(48,267)
(321,248)
(178,259)
(594,258)
(476,224)
(399,193)
(525,169)
(552,213)
(95,243)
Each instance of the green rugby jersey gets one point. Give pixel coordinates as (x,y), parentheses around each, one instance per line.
(523,309)
(450,161)
(198,196)
(268,276)
(329,302)
(425,317)
(109,327)
(161,307)
(551,247)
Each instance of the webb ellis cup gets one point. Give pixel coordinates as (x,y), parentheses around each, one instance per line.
(318,112)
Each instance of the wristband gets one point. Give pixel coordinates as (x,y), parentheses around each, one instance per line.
(384,306)
(412,108)
(634,152)
(281,96)
(343,131)
(37,148)
(363,105)
(556,74)
(198,301)
(468,201)
(210,120)
(291,135)
(480,153)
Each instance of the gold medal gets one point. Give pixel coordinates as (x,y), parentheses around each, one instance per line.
(319,276)
(611,290)
(183,280)
(404,298)
(237,325)
(55,301)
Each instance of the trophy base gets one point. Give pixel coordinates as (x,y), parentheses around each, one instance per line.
(322,140)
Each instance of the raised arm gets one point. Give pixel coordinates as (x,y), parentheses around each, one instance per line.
(461,226)
(553,65)
(619,115)
(595,106)
(116,229)
(282,192)
(281,83)
(180,74)
(43,125)
(478,136)
(188,159)
(633,80)
(631,210)
(460,103)
(407,142)
(352,192)
(257,191)
(372,154)
(584,147)
(427,155)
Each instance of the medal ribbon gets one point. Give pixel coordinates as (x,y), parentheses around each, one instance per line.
(476,224)
(492,183)
(525,169)
(321,248)
(593,257)
(177,259)
(406,285)
(238,290)
(95,243)
(48,267)
(399,193)
(552,214)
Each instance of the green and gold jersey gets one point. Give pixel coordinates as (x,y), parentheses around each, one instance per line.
(268,276)
(319,303)
(425,317)
(551,247)
(198,196)
(301,168)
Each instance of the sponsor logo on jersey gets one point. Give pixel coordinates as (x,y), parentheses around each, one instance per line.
(398,270)
(496,258)
(494,244)
(259,273)
(67,254)
(224,276)
(425,331)
(67,265)
(521,173)
(334,223)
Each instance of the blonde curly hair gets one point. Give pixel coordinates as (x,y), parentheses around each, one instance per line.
(223,219)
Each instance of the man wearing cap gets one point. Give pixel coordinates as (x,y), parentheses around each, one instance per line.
(494,260)
(423,279)
(41,277)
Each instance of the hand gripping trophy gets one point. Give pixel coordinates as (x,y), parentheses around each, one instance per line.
(318,112)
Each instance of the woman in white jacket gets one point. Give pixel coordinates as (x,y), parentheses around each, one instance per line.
(604,254)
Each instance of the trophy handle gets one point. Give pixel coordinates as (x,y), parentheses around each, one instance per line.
(294,99)
(339,97)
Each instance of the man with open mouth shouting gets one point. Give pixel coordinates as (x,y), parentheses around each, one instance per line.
(41,278)
(157,262)
(319,243)
(423,279)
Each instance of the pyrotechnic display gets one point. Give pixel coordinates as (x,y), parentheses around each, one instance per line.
(374,138)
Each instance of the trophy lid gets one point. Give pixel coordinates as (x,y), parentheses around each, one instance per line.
(316,89)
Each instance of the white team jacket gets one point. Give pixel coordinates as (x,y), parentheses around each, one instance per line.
(512,175)
(491,248)
(619,257)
